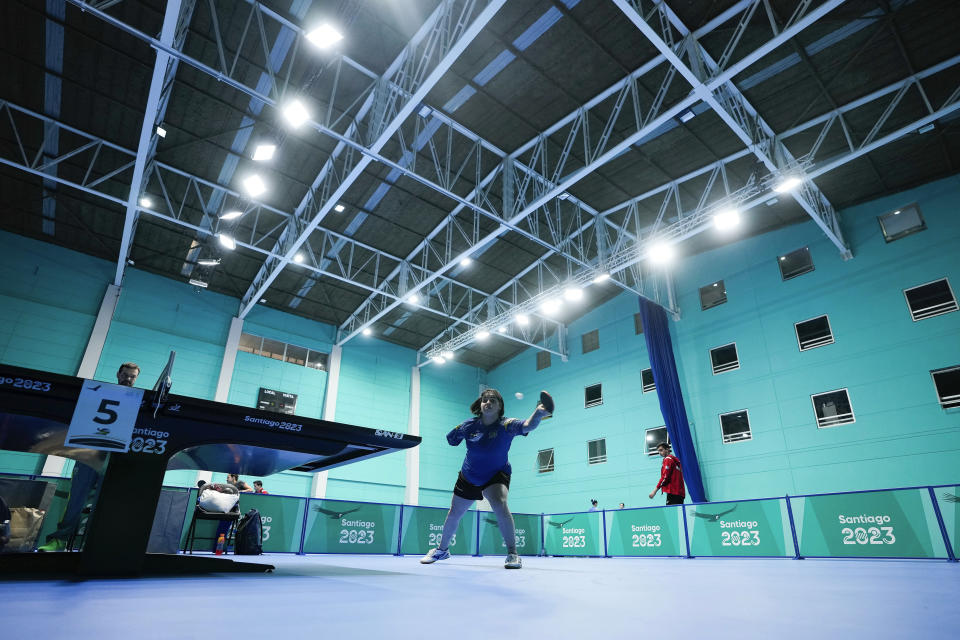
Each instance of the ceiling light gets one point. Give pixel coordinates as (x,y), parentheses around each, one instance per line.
(465,262)
(601,277)
(483,334)
(254,185)
(198,283)
(447,354)
(502,329)
(726,219)
(208,262)
(573,293)
(146,202)
(787,184)
(563,196)
(263,301)
(551,306)
(522,319)
(413,298)
(295,113)
(782,258)
(897,212)
(686,115)
(367,331)
(660,253)
(231,215)
(438,359)
(264,152)
(425,111)
(926,128)
(324,36)
(339,208)
(161,132)
(298,258)
(772,201)
(227,241)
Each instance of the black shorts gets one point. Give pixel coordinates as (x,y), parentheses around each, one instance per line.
(468,491)
(673,498)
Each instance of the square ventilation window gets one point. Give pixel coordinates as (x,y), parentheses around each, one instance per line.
(273,349)
(543,360)
(712,295)
(545,460)
(637,324)
(653,438)
(735,426)
(590,341)
(947,383)
(795,263)
(724,358)
(317,360)
(592,395)
(813,333)
(901,222)
(646,378)
(296,355)
(250,343)
(832,408)
(931,299)
(597,451)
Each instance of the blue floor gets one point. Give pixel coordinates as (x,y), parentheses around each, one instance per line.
(361,597)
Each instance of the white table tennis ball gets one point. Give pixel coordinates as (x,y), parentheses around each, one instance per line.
(518,395)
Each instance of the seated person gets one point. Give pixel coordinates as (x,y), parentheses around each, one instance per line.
(242,487)
(4,523)
(258,487)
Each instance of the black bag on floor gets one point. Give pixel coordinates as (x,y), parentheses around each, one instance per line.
(249,540)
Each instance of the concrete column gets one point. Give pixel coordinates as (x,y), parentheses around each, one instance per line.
(229,360)
(318,487)
(411,494)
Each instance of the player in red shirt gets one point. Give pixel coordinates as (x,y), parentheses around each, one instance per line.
(671,477)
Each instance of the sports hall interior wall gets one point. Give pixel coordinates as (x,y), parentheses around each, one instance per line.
(901,436)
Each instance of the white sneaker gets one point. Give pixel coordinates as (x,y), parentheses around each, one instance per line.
(435,554)
(512,561)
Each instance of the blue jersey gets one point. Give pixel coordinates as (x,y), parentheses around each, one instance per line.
(487,447)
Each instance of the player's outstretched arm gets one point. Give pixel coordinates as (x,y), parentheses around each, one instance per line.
(544,410)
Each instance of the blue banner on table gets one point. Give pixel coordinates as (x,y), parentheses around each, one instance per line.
(749,528)
(423,527)
(656,531)
(281,519)
(527,527)
(877,524)
(573,534)
(336,526)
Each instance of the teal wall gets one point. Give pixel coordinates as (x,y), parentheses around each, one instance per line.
(446,393)
(901,436)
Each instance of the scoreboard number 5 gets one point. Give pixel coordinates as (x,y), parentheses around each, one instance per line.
(104,417)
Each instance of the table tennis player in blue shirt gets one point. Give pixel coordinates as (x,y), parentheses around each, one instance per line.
(486,470)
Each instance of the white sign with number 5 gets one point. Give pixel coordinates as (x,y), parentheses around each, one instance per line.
(104,416)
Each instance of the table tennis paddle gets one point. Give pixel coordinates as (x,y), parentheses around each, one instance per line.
(547,401)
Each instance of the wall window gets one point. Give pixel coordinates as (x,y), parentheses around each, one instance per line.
(832,408)
(637,324)
(654,437)
(947,384)
(278,350)
(592,395)
(543,360)
(813,333)
(712,295)
(545,460)
(646,379)
(795,263)
(931,299)
(735,426)
(724,358)
(597,451)
(901,222)
(590,341)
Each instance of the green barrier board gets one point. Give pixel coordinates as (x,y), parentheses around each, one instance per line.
(573,534)
(948,499)
(281,518)
(423,527)
(336,526)
(646,532)
(749,528)
(877,524)
(527,526)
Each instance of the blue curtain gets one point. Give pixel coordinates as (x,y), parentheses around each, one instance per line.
(656,331)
